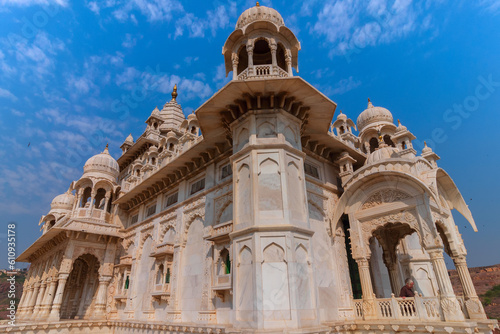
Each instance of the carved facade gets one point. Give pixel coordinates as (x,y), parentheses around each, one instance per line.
(254,214)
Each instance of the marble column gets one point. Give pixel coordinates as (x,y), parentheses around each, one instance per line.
(288,60)
(472,302)
(274,62)
(449,303)
(369,311)
(39,298)
(235,60)
(33,297)
(49,297)
(23,303)
(56,305)
(100,304)
(250,58)
(393,269)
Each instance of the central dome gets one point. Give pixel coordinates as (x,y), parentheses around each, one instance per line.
(259,13)
(373,116)
(103,165)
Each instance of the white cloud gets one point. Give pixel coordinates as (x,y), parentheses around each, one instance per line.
(342,87)
(32,58)
(130,41)
(356,24)
(492,6)
(133,79)
(25,3)
(4,93)
(16,112)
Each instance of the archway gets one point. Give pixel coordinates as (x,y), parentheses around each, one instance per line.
(81,289)
(262,53)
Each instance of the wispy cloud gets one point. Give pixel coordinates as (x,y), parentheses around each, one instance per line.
(492,6)
(25,3)
(131,79)
(341,87)
(4,93)
(130,41)
(356,24)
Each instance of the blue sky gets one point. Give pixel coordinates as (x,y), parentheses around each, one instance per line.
(76,75)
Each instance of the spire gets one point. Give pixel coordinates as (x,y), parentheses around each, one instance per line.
(174,93)
(257,4)
(106,149)
(370,105)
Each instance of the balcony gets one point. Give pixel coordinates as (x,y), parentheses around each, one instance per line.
(416,308)
(162,250)
(93,214)
(258,72)
(161,292)
(223,282)
(220,232)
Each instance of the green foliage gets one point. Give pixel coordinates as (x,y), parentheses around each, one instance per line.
(491,294)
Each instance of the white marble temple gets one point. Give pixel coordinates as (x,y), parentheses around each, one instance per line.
(254,214)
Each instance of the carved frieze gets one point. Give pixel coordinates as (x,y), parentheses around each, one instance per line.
(383,197)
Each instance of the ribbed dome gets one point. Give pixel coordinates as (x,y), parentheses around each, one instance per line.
(63,202)
(172,115)
(386,152)
(374,115)
(259,13)
(102,164)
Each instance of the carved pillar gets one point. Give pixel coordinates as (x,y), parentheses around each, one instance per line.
(472,302)
(235,60)
(23,305)
(449,303)
(49,297)
(288,60)
(78,199)
(395,277)
(92,196)
(100,304)
(250,58)
(56,305)
(39,298)
(367,288)
(33,298)
(273,48)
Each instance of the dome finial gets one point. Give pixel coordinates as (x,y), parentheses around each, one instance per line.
(106,149)
(370,105)
(399,122)
(257,4)
(174,93)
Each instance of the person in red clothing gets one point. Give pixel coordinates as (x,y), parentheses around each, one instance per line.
(407,291)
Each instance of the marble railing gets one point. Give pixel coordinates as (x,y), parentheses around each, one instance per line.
(420,308)
(261,72)
(93,213)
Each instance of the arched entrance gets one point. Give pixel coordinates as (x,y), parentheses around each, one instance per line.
(81,289)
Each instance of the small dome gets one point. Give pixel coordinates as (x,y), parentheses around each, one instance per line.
(102,164)
(426,149)
(374,115)
(342,117)
(191,117)
(63,202)
(401,127)
(259,13)
(386,152)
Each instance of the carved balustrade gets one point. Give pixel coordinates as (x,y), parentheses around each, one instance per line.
(257,72)
(416,308)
